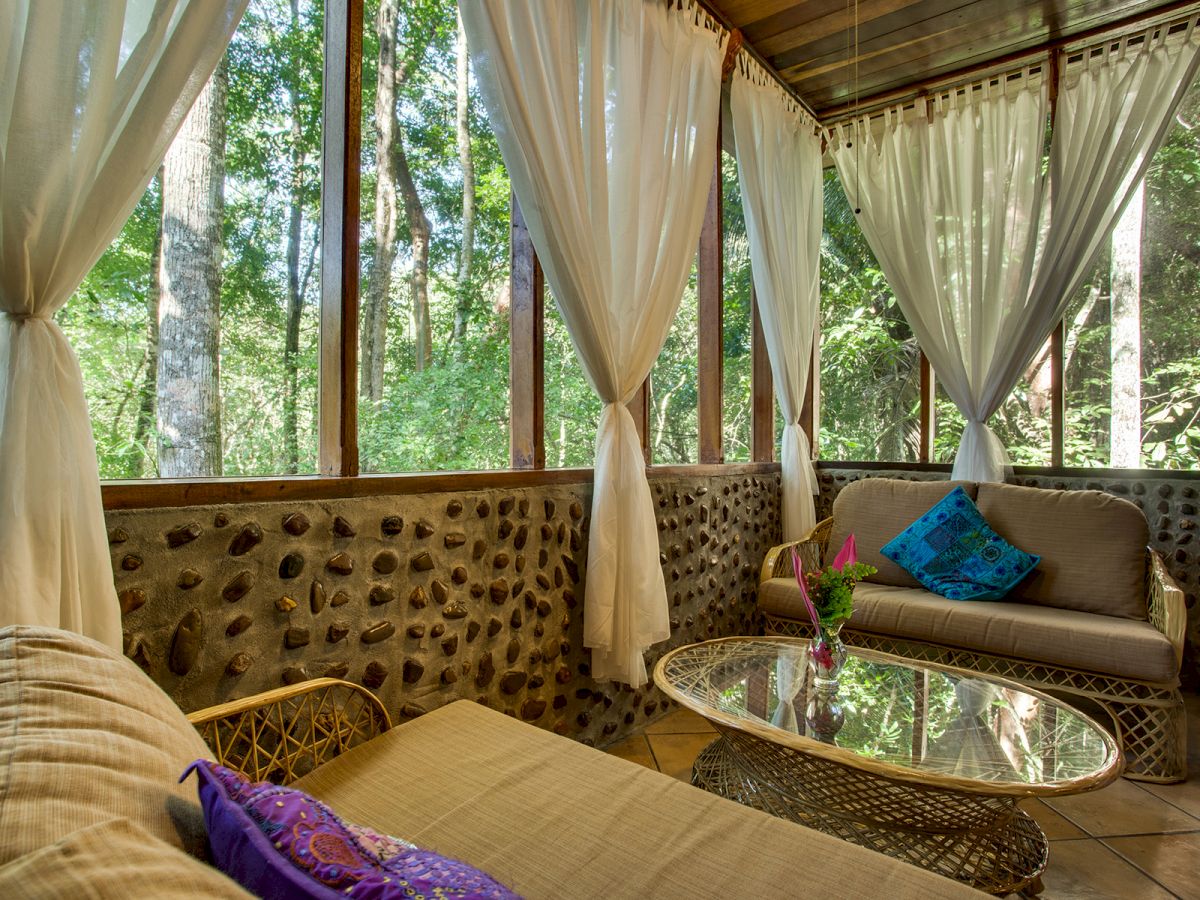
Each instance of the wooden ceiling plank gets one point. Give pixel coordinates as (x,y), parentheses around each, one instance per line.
(833,25)
(941,55)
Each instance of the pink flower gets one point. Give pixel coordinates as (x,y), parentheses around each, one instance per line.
(848,555)
(823,655)
(798,568)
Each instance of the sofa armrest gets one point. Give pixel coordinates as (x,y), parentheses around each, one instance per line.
(1164,603)
(283,734)
(778,561)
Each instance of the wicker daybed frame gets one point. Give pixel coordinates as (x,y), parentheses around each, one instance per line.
(282,735)
(1148,717)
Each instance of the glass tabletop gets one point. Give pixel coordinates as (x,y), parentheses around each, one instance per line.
(901,714)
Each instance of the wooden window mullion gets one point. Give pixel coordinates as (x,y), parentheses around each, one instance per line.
(762,393)
(1057,395)
(928,422)
(527,398)
(340,187)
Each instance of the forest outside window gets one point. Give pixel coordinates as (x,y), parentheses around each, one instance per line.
(197,329)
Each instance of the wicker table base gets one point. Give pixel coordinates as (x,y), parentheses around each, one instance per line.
(983,840)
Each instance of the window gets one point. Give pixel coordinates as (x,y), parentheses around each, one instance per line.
(197,329)
(674,387)
(1132,339)
(870,372)
(433,329)
(572,407)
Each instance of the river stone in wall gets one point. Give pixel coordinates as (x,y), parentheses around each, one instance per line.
(427,598)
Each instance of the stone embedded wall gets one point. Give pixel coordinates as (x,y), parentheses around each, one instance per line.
(1170,505)
(426,598)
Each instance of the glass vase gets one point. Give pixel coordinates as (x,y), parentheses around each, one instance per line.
(827,655)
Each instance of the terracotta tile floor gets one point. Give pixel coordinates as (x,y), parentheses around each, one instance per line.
(1129,841)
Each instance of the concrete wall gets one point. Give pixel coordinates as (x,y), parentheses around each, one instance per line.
(425,598)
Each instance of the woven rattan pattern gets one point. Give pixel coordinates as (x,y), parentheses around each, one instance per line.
(984,841)
(1148,718)
(282,735)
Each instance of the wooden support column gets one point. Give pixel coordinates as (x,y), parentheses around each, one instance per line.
(812,393)
(710,297)
(639,408)
(762,393)
(928,420)
(527,406)
(337,403)
(1058,423)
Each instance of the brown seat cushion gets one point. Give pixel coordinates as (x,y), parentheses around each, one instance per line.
(555,819)
(87,737)
(878,509)
(1092,545)
(116,860)
(1077,640)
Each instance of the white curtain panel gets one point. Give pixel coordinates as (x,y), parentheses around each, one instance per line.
(779,172)
(949,206)
(606,115)
(90,97)
(1115,109)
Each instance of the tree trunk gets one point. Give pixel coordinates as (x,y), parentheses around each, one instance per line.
(139,454)
(462,312)
(379,281)
(1125,340)
(418,229)
(189,407)
(295,298)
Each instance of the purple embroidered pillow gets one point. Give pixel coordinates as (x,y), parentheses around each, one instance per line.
(281,844)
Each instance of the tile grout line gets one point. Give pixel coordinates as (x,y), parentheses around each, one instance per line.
(653,755)
(1138,868)
(1170,803)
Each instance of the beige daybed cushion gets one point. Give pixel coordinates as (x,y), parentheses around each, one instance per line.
(86,737)
(878,509)
(555,819)
(1092,545)
(1063,637)
(114,860)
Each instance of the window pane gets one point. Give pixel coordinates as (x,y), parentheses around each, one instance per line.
(674,401)
(197,329)
(738,329)
(572,408)
(433,333)
(870,376)
(1132,343)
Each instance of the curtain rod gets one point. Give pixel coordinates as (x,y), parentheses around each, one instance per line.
(1003,66)
(760,59)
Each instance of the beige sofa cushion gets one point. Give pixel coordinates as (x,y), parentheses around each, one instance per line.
(1122,647)
(1092,545)
(554,819)
(878,509)
(86,737)
(114,860)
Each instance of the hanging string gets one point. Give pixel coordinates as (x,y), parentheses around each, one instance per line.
(857,150)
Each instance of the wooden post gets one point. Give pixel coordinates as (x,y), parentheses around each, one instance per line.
(340,162)
(527,406)
(808,410)
(710,297)
(639,408)
(928,407)
(1058,425)
(762,393)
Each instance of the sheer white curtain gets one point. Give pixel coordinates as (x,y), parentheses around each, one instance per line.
(90,96)
(1115,109)
(779,172)
(950,207)
(606,115)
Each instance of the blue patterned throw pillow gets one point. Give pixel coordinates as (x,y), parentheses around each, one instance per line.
(954,552)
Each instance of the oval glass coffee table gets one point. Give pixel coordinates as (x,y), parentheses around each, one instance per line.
(927,765)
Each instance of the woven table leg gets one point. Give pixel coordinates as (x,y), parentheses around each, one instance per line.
(986,842)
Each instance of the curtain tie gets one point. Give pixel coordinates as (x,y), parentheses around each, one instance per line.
(24,317)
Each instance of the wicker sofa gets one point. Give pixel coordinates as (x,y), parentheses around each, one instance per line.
(1099,620)
(90,804)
